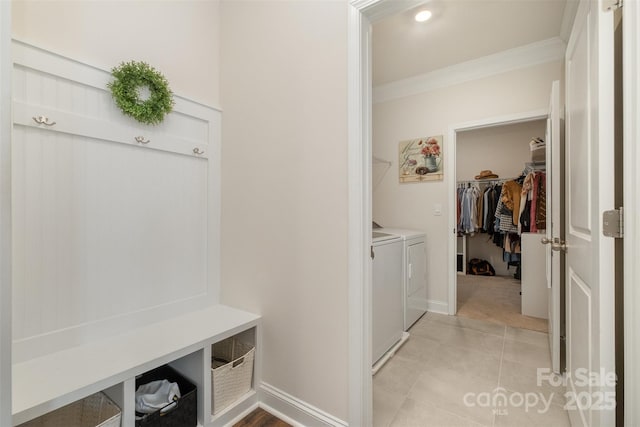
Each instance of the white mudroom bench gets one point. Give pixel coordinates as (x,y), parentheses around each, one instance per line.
(116,243)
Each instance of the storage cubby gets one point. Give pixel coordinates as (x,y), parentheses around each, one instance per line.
(123,395)
(96,410)
(182,412)
(461,255)
(111,366)
(232,371)
(192,367)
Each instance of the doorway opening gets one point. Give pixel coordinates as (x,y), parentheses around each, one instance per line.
(466,142)
(361,197)
(490,253)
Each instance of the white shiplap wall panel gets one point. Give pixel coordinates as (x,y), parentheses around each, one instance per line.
(35,86)
(108,233)
(122,225)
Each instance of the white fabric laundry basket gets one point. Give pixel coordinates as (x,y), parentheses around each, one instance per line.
(96,410)
(231,372)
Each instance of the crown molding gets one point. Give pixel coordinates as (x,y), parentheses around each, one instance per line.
(375,10)
(542,52)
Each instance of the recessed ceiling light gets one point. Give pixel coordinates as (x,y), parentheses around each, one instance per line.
(423,15)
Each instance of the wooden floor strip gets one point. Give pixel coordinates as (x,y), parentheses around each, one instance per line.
(261,418)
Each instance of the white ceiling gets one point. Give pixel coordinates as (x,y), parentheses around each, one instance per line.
(459,31)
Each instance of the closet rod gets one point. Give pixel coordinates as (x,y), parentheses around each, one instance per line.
(488,181)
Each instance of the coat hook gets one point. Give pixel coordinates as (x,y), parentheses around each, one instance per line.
(140,139)
(197,151)
(42,120)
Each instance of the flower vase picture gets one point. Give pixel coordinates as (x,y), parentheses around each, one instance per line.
(421,159)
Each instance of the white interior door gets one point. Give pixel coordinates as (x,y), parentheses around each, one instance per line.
(589,191)
(554,224)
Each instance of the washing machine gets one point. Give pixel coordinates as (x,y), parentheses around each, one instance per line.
(414,273)
(387,295)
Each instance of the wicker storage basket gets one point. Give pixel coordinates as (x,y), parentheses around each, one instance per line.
(96,410)
(538,155)
(231,372)
(185,411)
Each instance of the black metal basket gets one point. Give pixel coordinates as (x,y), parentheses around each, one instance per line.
(185,411)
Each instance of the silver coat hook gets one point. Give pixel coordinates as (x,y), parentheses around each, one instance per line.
(197,151)
(141,140)
(42,120)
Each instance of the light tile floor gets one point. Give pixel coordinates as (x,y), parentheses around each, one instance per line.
(449,359)
(495,299)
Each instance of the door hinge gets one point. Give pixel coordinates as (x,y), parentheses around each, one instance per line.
(613,223)
(608,5)
(373,255)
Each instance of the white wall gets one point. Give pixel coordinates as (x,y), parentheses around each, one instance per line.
(284,186)
(284,208)
(180,38)
(503,150)
(434,113)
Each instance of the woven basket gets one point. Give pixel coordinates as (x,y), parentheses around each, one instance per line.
(231,372)
(96,410)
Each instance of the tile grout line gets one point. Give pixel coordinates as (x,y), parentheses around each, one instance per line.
(405,398)
(438,406)
(504,340)
(444,340)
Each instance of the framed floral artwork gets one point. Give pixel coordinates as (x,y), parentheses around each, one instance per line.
(421,159)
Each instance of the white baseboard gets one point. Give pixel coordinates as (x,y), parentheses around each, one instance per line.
(280,415)
(439,307)
(231,415)
(293,410)
(243,414)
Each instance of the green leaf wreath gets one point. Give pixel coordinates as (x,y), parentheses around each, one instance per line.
(129,78)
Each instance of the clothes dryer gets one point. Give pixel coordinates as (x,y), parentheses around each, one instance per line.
(414,273)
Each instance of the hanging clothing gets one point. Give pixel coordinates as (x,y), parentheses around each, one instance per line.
(524,226)
(479,207)
(538,213)
(511,198)
(494,195)
(525,203)
(504,211)
(469,209)
(541,205)
(458,199)
(512,243)
(485,208)
(504,218)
